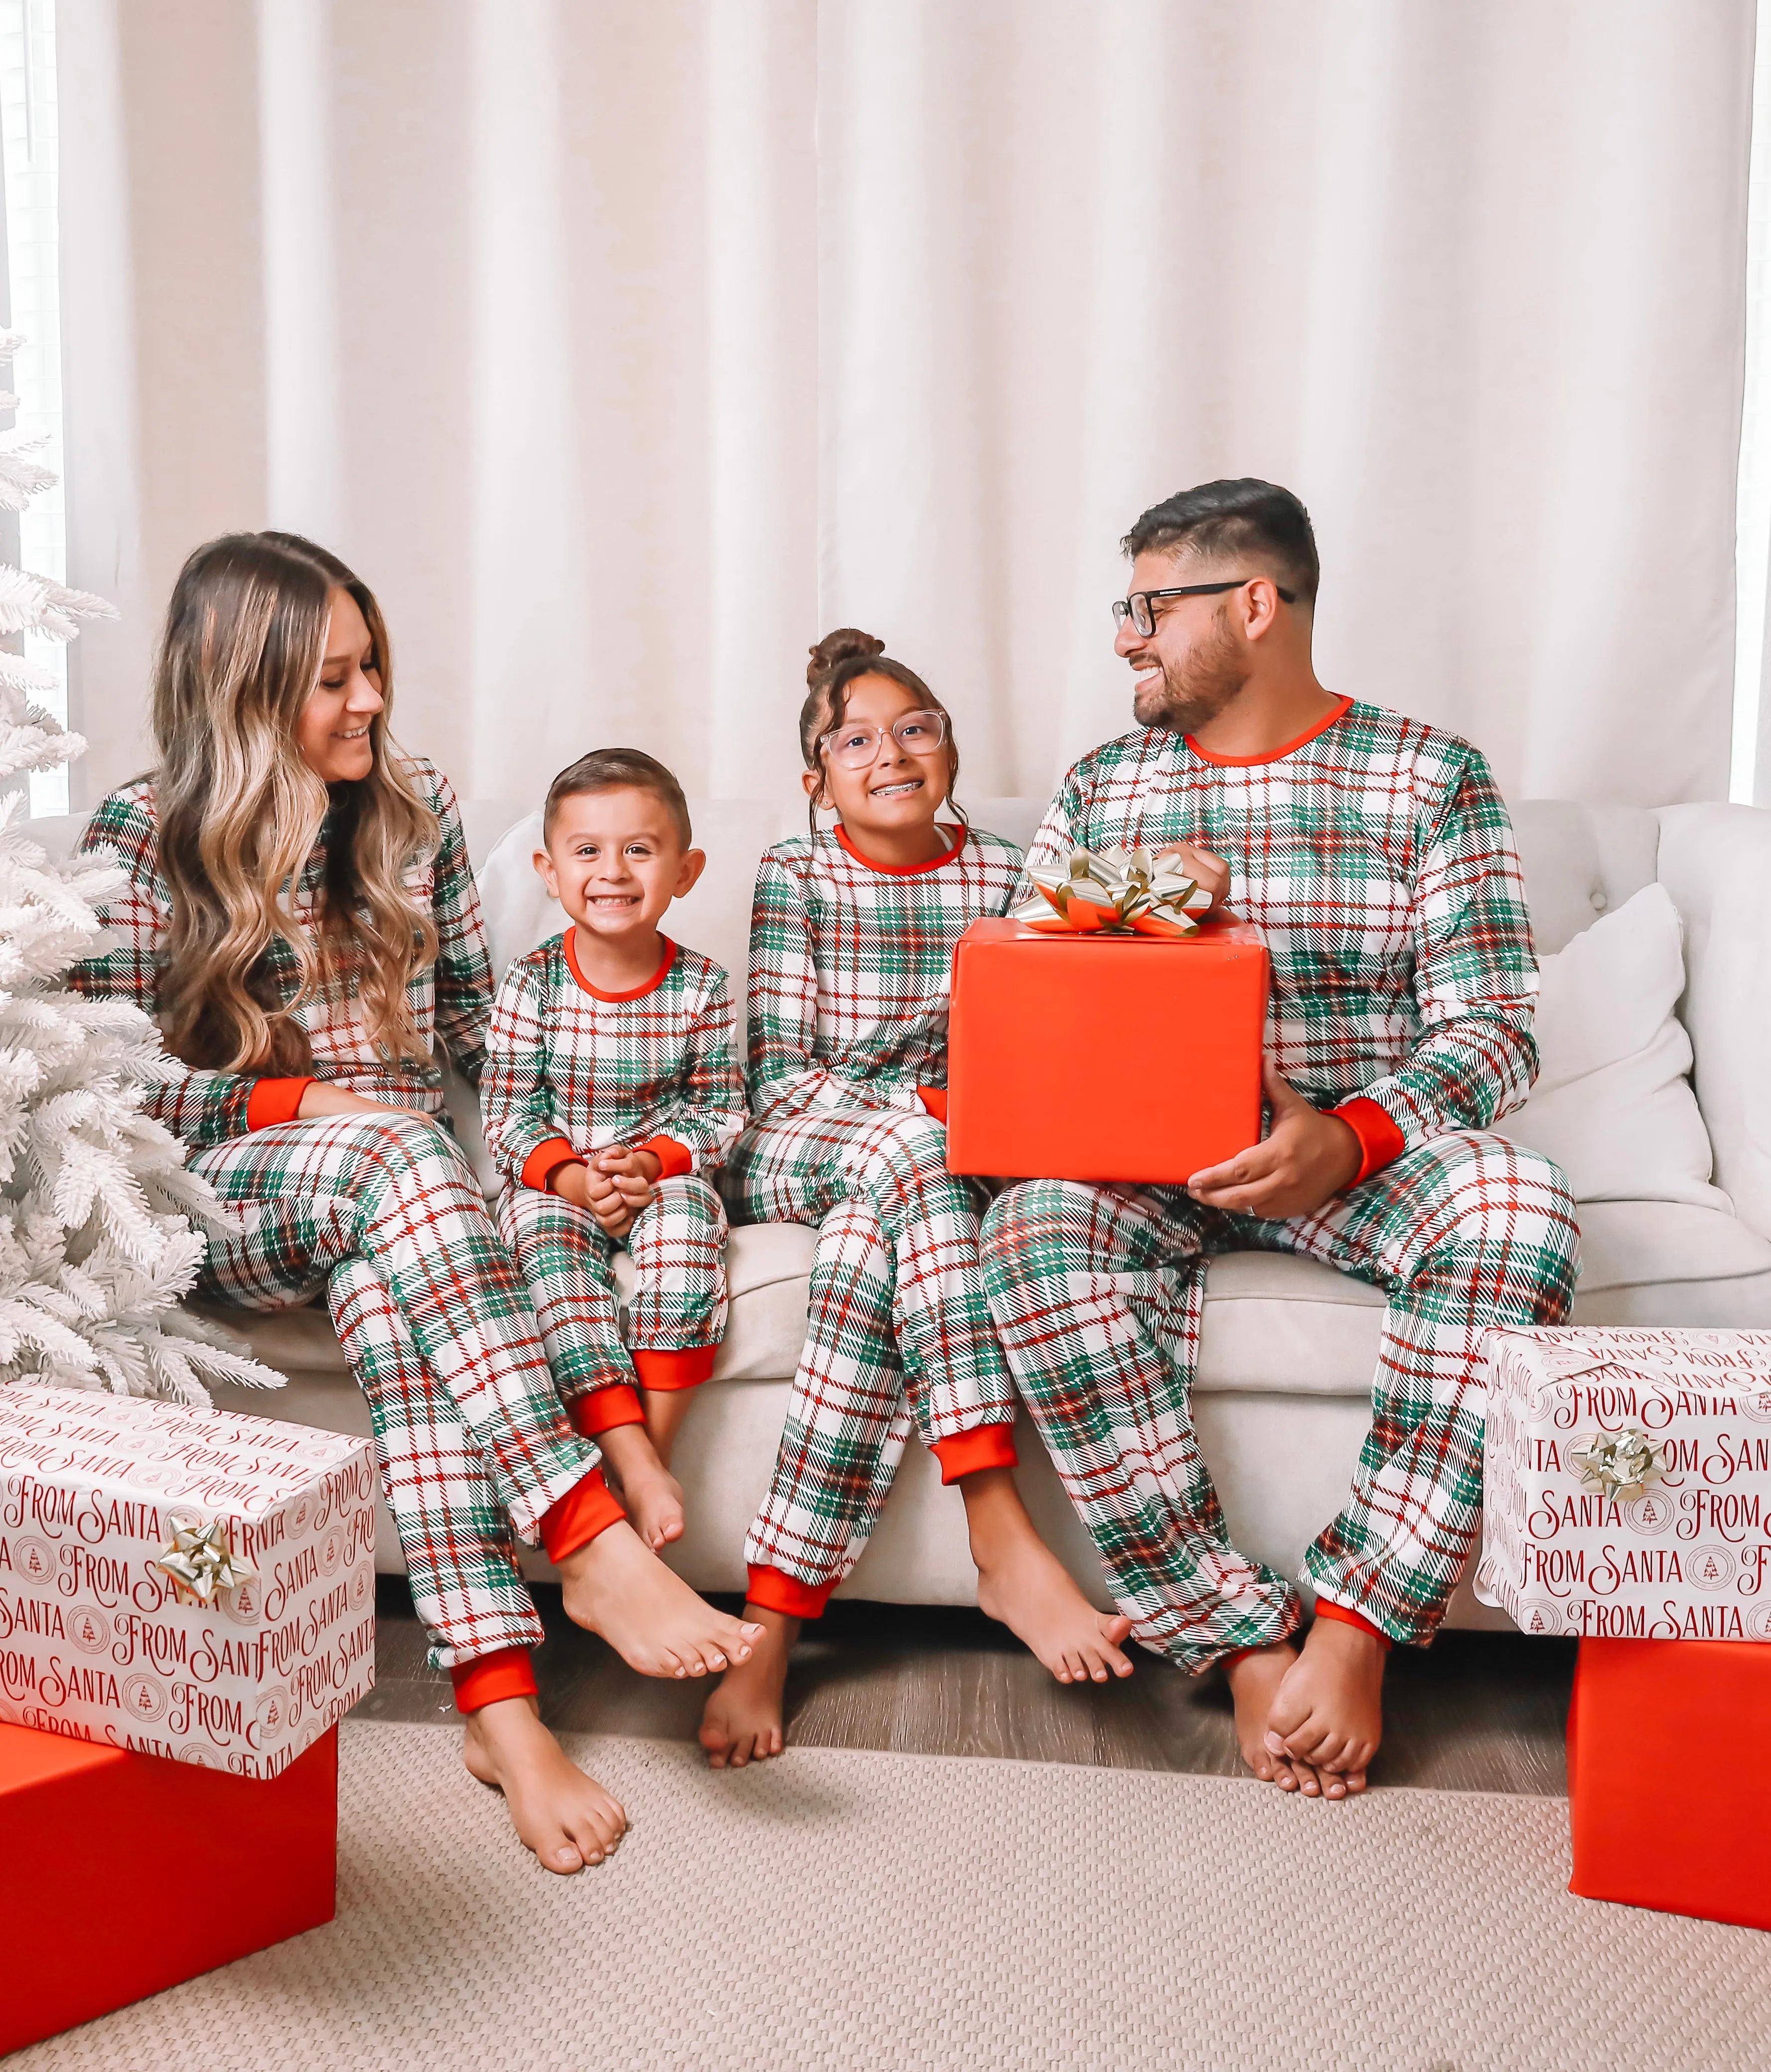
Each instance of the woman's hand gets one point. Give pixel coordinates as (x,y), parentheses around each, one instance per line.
(320,1098)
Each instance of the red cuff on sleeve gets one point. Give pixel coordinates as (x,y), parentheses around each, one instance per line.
(1380,1142)
(587,1508)
(786,1594)
(507,1674)
(603,1408)
(934,1098)
(545,1160)
(1326,1607)
(686,1369)
(965,1453)
(275,1100)
(673,1158)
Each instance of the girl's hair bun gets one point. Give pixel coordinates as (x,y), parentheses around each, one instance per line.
(846,644)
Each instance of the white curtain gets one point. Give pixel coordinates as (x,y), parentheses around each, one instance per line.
(625,348)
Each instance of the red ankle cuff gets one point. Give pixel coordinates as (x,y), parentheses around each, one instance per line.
(786,1594)
(686,1369)
(508,1674)
(587,1508)
(604,1408)
(1326,1607)
(967,1453)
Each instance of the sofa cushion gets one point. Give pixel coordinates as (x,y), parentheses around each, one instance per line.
(1613,1103)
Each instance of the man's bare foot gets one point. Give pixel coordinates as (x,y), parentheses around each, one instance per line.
(650,1493)
(567,1818)
(1254,1684)
(1023,1585)
(743,1722)
(615,1585)
(1328,1709)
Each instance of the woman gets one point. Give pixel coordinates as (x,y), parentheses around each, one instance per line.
(301,921)
(851,947)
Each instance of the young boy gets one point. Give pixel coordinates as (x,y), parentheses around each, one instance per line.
(611,1094)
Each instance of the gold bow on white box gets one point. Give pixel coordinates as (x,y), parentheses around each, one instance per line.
(200,1562)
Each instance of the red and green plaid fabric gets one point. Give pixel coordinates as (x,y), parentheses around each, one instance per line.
(850,967)
(599,1070)
(452,997)
(567,1260)
(444,1344)
(1098,1292)
(1377,859)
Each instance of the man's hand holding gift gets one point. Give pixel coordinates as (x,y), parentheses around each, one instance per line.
(1305,1159)
(1209,873)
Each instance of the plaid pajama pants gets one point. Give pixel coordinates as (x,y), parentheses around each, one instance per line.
(567,1261)
(1098,1292)
(386,1217)
(898,1331)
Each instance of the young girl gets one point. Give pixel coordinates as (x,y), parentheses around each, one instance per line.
(301,921)
(851,945)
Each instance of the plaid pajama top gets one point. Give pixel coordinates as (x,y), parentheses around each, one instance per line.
(570,1070)
(851,968)
(450,998)
(1376,856)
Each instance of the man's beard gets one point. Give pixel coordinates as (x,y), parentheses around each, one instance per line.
(1191,696)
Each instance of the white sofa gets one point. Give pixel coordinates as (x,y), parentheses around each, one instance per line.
(1289,1347)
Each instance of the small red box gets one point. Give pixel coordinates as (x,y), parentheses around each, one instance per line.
(1662,1816)
(125,1874)
(1104,1057)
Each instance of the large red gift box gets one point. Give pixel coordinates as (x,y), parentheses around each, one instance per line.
(1104,1057)
(1665,1814)
(124,1874)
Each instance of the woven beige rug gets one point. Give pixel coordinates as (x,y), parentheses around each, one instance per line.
(844,1910)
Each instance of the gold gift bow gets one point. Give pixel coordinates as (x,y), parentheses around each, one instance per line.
(1114,892)
(1619,1464)
(200,1562)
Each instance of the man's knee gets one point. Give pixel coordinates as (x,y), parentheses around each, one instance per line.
(1488,1192)
(1039,1227)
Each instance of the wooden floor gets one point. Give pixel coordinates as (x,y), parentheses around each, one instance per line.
(1475,1713)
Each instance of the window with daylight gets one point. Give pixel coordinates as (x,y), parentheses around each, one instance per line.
(28,156)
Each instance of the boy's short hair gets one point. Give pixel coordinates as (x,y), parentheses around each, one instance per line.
(616,770)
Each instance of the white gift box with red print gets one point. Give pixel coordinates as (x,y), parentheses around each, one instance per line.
(182,1582)
(1627,1483)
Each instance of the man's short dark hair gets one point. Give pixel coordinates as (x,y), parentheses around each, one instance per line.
(1233,519)
(616,770)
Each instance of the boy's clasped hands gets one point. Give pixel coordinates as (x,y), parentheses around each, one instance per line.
(614,1184)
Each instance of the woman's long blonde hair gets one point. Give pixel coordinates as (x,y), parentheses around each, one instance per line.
(239,811)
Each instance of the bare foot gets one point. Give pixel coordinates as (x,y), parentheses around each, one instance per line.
(1022,1583)
(650,1493)
(564,1816)
(665,1409)
(1328,1709)
(743,1722)
(1254,1684)
(615,1585)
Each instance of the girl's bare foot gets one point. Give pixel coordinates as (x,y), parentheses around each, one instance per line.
(1254,1684)
(743,1722)
(1023,1585)
(615,1585)
(650,1494)
(568,1819)
(1328,1709)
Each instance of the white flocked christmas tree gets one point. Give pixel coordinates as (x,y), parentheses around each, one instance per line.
(101,1227)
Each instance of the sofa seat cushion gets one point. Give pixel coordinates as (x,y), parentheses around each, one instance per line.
(1670,1263)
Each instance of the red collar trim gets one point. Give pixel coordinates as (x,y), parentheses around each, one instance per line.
(1342,706)
(637,992)
(902,870)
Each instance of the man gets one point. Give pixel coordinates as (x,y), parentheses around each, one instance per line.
(1376,855)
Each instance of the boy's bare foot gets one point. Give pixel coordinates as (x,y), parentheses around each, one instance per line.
(1328,1709)
(650,1494)
(615,1585)
(743,1722)
(567,1818)
(1023,1585)
(665,1409)
(1254,1684)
